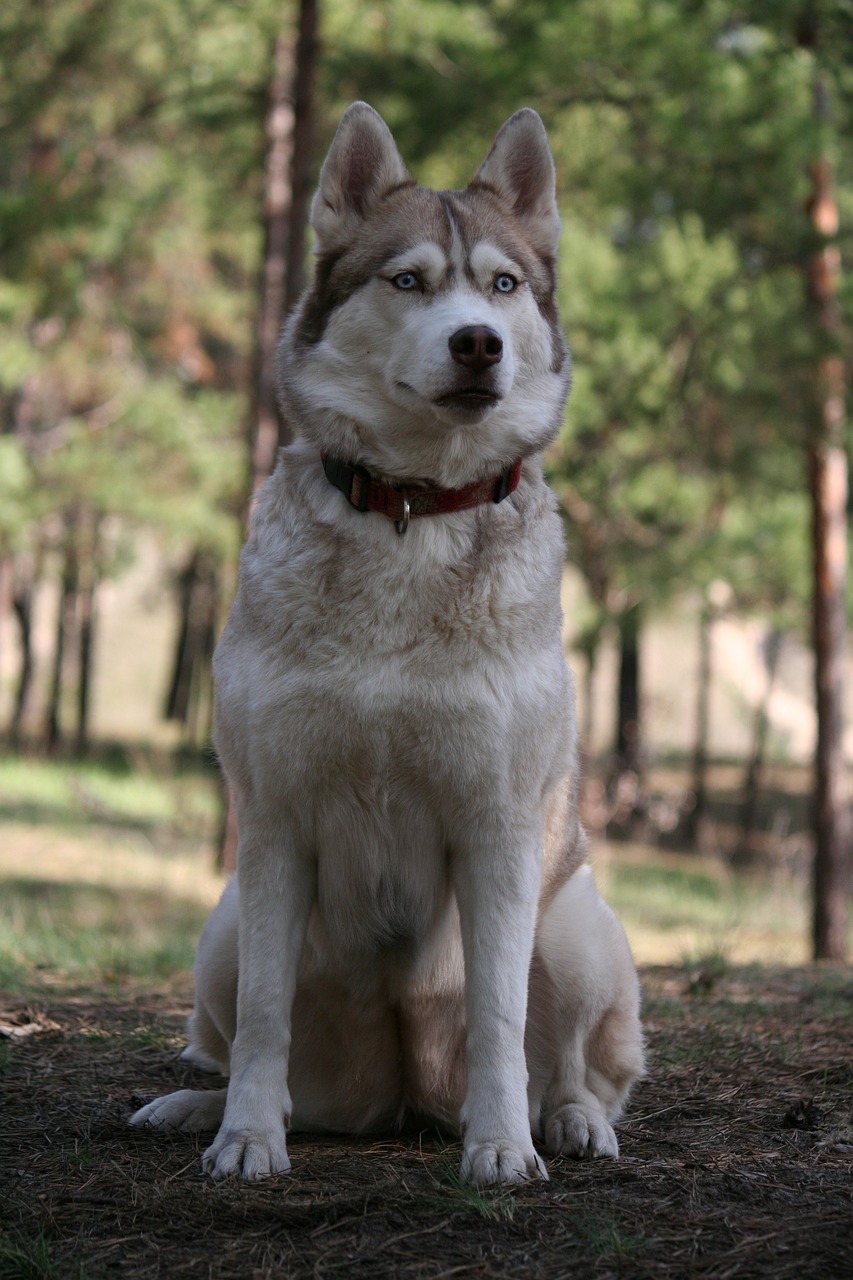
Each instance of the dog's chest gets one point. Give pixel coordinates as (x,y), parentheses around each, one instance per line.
(361,609)
(389,699)
(399,655)
(382,866)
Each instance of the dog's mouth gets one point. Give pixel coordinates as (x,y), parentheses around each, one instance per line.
(472,398)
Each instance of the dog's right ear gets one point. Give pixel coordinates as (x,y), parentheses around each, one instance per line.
(362,165)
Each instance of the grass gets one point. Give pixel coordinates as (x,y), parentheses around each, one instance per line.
(137,791)
(602,1236)
(684,908)
(493,1204)
(25,1258)
(107,877)
(106,870)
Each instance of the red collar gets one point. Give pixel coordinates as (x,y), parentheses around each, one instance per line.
(367,493)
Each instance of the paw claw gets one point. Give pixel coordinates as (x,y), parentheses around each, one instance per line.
(250,1156)
(491,1163)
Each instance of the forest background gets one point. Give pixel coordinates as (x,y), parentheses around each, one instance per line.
(156,161)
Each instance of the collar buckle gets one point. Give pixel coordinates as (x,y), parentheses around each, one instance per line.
(402,524)
(359,488)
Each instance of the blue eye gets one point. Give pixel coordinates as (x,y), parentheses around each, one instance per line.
(405,280)
(505,283)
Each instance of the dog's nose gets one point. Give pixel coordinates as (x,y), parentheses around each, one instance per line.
(476,346)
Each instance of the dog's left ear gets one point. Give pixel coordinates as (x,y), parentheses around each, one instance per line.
(520,169)
(362,165)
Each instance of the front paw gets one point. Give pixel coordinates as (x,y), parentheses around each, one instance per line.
(247,1154)
(583,1131)
(489,1163)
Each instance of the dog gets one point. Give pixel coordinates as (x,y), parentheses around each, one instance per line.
(413,932)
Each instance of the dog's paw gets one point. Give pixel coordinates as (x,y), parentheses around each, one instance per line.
(187,1111)
(576,1130)
(488,1163)
(246,1154)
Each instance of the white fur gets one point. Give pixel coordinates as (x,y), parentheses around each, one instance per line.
(383,362)
(414,930)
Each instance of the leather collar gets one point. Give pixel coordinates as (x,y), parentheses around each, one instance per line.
(403,503)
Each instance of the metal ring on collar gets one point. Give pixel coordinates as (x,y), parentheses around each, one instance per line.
(402,525)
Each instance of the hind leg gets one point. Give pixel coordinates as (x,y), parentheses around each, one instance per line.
(210,1027)
(584,1041)
(187,1111)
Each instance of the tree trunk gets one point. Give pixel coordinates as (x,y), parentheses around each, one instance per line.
(301,162)
(266,428)
(86,601)
(199,719)
(697,823)
(628,748)
(178,697)
(827,467)
(52,727)
(588,645)
(624,777)
(751,784)
(22,606)
(26,574)
(66,635)
(828,471)
(86,626)
(289,131)
(199,605)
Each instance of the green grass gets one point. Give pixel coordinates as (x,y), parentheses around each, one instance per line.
(106,877)
(25,1257)
(138,792)
(107,871)
(82,934)
(683,908)
(495,1204)
(601,1236)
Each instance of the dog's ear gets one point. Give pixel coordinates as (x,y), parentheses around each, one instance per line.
(362,165)
(520,170)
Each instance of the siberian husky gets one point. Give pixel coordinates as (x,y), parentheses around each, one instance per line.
(416,933)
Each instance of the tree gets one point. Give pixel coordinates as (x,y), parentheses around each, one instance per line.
(827,467)
(289,132)
(123,307)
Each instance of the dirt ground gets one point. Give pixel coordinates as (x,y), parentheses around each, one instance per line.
(737,1157)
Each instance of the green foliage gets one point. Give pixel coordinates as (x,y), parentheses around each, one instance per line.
(681,457)
(683,136)
(14,491)
(131,172)
(132,169)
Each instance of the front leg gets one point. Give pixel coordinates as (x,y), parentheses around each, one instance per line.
(497,886)
(277,886)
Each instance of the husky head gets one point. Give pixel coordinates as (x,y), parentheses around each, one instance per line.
(428,345)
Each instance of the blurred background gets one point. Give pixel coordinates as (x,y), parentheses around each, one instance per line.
(157,163)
